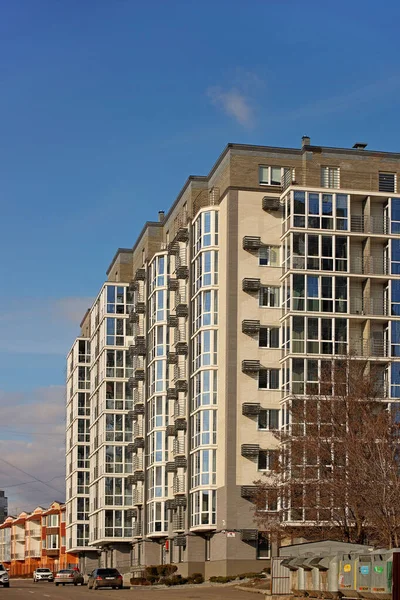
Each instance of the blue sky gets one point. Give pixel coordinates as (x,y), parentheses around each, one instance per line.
(107,107)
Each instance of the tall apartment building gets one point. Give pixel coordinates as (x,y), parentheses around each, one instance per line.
(223,309)
(3,506)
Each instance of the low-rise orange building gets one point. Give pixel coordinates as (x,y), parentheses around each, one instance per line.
(35,539)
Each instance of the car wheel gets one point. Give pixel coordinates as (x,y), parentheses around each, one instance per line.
(94,587)
(63,583)
(6,585)
(56,584)
(75,583)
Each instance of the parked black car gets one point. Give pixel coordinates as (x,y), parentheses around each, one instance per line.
(105,578)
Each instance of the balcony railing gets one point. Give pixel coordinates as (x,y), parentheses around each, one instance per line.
(373,306)
(369,347)
(251,242)
(369,265)
(179,484)
(180,408)
(178,447)
(363,224)
(137,496)
(251,327)
(137,530)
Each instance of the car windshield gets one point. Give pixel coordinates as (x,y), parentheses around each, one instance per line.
(108,572)
(43,571)
(66,571)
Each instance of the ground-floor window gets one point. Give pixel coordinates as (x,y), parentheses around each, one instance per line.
(263,545)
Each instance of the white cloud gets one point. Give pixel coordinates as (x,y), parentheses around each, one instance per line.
(233,103)
(35,427)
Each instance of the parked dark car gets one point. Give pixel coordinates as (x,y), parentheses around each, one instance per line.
(105,578)
(68,576)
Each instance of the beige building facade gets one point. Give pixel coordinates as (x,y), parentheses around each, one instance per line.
(223,309)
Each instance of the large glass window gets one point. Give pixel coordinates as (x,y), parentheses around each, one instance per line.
(205,346)
(320,211)
(204,470)
(204,389)
(157,517)
(115,331)
(205,270)
(204,428)
(267,460)
(117,524)
(205,309)
(205,230)
(204,507)
(157,482)
(330,177)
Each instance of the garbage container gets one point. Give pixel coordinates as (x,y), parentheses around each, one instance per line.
(347,575)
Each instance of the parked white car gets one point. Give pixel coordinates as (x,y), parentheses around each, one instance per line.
(42,574)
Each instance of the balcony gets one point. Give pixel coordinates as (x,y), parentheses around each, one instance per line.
(369,265)
(372,306)
(251,409)
(138,476)
(368,347)
(180,408)
(172,393)
(181,462)
(182,267)
(139,347)
(133,317)
(130,480)
(181,310)
(173,321)
(170,467)
(249,535)
(139,443)
(180,424)
(137,496)
(179,484)
(173,284)
(138,463)
(248,491)
(250,450)
(271,203)
(140,306)
(182,232)
(137,529)
(138,430)
(251,243)
(170,431)
(363,224)
(251,366)
(181,348)
(140,275)
(180,540)
(178,447)
(172,358)
(138,410)
(251,327)
(251,285)
(178,522)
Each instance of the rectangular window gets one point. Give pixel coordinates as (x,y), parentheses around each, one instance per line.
(268,419)
(268,337)
(387,182)
(269,296)
(271,175)
(267,460)
(268,379)
(330,177)
(268,256)
(263,546)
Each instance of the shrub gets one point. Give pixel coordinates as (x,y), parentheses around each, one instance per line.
(139,581)
(251,575)
(196,578)
(222,579)
(175,580)
(166,570)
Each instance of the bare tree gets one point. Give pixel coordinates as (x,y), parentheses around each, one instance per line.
(338,470)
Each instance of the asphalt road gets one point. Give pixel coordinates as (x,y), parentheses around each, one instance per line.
(24,590)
